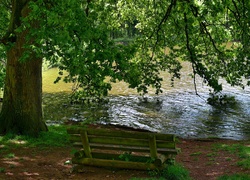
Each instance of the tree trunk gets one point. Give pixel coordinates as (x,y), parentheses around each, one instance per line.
(22,101)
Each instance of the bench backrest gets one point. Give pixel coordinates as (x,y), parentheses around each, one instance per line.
(93,140)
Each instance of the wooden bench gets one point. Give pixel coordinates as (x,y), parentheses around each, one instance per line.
(122,148)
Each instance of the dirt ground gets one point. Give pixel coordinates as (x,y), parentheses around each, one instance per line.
(197,156)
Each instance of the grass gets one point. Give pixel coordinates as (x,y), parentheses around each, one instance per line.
(10,155)
(55,137)
(235,177)
(176,172)
(242,150)
(2,170)
(213,154)
(171,172)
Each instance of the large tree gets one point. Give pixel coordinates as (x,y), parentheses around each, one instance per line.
(68,33)
(22,100)
(74,34)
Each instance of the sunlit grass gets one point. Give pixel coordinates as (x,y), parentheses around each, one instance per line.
(55,137)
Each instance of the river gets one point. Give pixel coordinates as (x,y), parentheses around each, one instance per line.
(177,110)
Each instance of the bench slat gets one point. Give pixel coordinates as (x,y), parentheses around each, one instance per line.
(121,133)
(118,141)
(105,147)
(119,147)
(76,139)
(114,163)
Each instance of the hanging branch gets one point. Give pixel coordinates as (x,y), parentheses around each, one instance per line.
(203,25)
(87,8)
(164,19)
(190,50)
(158,28)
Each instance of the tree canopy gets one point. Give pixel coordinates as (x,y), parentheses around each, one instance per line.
(78,37)
(193,31)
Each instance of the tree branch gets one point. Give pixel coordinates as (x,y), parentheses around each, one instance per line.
(190,51)
(164,19)
(158,28)
(87,8)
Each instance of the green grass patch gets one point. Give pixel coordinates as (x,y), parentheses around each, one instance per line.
(171,172)
(10,155)
(228,159)
(213,154)
(235,177)
(241,149)
(2,170)
(245,163)
(56,137)
(176,172)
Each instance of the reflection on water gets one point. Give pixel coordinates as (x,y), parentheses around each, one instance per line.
(178,110)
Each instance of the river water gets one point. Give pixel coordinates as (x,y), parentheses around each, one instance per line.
(177,110)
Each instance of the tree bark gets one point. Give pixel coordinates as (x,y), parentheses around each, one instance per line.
(22,101)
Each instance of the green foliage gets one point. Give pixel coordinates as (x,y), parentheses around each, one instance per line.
(125,157)
(235,177)
(195,31)
(221,100)
(81,38)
